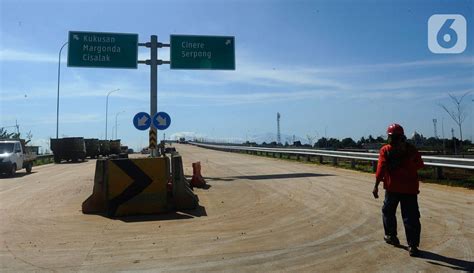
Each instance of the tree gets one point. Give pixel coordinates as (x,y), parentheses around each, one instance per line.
(4,134)
(348,143)
(321,143)
(29,136)
(380,139)
(361,141)
(334,143)
(310,139)
(459,114)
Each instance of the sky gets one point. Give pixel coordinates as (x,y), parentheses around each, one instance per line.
(330,68)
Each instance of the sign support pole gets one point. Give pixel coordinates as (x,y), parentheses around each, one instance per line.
(153,62)
(153,86)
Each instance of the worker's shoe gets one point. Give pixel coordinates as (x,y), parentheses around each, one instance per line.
(392,240)
(413,251)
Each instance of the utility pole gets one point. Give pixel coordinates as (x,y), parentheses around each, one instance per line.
(116,125)
(278,129)
(472,123)
(444,138)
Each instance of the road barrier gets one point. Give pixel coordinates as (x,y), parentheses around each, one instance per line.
(129,187)
(137,186)
(183,197)
(197,180)
(437,162)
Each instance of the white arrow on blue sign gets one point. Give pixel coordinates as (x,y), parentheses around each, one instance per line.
(161,120)
(142,121)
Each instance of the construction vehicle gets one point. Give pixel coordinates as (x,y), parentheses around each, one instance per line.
(115,147)
(92,147)
(15,155)
(104,147)
(69,149)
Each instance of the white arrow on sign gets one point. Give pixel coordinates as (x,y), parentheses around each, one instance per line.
(161,121)
(75,37)
(142,121)
(228,42)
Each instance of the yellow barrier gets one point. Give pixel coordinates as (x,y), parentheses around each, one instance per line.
(129,187)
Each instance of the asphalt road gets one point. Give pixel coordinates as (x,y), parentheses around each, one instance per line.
(259,215)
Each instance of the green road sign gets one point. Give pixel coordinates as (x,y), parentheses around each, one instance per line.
(101,49)
(202,52)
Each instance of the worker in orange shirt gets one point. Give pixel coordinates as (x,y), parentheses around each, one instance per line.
(397,167)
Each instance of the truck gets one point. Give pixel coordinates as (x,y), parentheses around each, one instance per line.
(92,147)
(123,152)
(14,156)
(115,147)
(104,147)
(68,148)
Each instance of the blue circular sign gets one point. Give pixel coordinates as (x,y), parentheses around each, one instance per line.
(161,121)
(142,121)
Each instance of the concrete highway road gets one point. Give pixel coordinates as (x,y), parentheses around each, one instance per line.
(259,215)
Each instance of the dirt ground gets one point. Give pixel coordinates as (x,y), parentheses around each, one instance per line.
(259,215)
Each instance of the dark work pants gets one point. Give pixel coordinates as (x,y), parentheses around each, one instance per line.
(410,215)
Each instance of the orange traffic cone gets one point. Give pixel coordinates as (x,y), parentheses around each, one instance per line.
(197,180)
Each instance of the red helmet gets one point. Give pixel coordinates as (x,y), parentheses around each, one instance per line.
(395,129)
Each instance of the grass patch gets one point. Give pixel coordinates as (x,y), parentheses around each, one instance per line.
(43,161)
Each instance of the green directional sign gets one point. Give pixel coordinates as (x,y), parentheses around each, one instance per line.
(102,49)
(202,52)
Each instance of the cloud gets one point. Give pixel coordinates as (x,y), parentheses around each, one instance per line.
(66,118)
(268,82)
(270,76)
(43,143)
(144,53)
(417,83)
(79,88)
(13,55)
(244,63)
(255,97)
(186,135)
(331,78)
(384,67)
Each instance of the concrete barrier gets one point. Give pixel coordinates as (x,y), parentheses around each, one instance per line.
(183,196)
(129,187)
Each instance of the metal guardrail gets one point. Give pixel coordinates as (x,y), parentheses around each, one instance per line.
(435,161)
(47,156)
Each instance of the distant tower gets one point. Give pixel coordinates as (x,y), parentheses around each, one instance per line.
(278,129)
(454,141)
(435,128)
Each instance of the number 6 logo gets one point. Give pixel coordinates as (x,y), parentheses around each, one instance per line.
(447,33)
